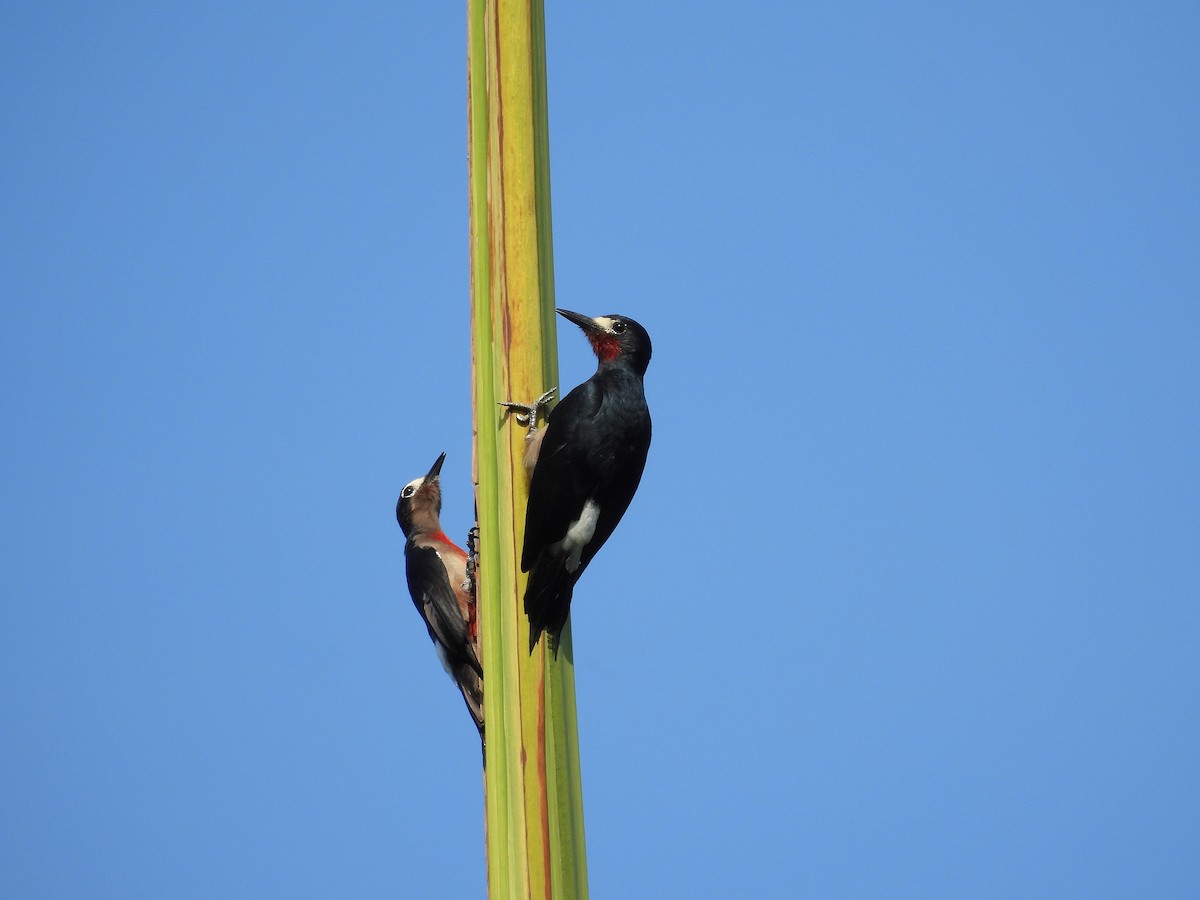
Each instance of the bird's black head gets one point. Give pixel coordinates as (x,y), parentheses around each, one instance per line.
(614,338)
(420,502)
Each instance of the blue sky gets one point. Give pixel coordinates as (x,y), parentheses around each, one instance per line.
(907,603)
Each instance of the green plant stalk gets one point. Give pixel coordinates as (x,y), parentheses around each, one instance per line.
(534,799)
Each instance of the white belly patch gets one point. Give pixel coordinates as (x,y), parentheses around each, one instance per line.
(578,535)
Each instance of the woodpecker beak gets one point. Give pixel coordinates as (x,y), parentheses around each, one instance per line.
(435,471)
(587,323)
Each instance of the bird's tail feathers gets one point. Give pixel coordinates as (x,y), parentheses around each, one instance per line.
(548,601)
(471,686)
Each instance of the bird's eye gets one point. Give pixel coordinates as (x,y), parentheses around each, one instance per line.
(619,327)
(408,492)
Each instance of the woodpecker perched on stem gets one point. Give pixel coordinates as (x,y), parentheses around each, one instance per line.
(588,466)
(437,580)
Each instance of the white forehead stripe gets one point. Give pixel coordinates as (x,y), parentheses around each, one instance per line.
(415,483)
(605,322)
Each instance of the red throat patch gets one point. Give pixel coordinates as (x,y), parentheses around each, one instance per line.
(606,346)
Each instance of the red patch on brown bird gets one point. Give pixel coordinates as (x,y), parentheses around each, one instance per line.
(440,536)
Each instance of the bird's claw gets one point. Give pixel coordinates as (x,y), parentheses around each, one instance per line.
(527,414)
(472,559)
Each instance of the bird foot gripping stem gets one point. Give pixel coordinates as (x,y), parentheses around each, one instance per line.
(472,560)
(527,414)
(470,586)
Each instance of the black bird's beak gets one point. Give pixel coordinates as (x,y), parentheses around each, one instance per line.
(435,471)
(587,323)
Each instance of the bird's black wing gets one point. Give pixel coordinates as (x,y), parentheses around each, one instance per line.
(434,598)
(562,479)
(615,495)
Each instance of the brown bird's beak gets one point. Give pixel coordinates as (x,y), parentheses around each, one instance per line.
(435,471)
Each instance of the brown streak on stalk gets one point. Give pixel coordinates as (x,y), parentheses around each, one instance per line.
(544,782)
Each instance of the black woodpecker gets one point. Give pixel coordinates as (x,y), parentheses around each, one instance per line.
(588,466)
(437,580)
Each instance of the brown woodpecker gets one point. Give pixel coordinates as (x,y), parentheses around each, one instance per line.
(588,466)
(437,579)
